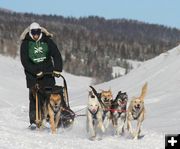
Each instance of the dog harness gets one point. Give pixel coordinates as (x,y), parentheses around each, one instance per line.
(136,115)
(94,114)
(104,114)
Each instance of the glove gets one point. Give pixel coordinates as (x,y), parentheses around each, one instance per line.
(39,75)
(56,74)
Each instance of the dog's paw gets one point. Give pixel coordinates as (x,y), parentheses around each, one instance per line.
(54,131)
(119,132)
(135,138)
(43,125)
(135,135)
(131,133)
(92,138)
(99,138)
(103,129)
(114,126)
(38,124)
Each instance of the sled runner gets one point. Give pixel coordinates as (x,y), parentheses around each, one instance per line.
(67,115)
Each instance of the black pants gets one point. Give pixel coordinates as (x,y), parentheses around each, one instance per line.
(32,104)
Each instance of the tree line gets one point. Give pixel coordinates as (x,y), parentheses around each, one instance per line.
(92,45)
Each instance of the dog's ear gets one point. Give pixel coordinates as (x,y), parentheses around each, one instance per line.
(91,94)
(102,90)
(110,90)
(126,95)
(117,96)
(94,90)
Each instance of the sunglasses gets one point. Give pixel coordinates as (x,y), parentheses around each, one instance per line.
(36,32)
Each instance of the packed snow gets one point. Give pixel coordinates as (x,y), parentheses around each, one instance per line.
(162,107)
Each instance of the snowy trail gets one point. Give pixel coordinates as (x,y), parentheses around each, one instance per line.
(15,134)
(162,106)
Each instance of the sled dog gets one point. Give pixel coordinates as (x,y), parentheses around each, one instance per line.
(105,98)
(118,112)
(94,116)
(136,111)
(52,108)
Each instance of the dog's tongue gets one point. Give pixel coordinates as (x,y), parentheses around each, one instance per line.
(122,103)
(137,108)
(93,110)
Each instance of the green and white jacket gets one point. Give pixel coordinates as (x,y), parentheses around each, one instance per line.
(41,55)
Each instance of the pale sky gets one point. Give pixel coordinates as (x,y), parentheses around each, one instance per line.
(165,12)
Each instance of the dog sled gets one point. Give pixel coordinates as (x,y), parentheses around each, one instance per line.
(67,114)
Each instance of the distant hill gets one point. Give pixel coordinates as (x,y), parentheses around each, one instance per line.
(91,45)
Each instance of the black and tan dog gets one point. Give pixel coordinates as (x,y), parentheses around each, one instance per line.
(118,112)
(136,111)
(52,108)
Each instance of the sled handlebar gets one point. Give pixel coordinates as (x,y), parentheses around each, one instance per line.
(64,80)
(51,74)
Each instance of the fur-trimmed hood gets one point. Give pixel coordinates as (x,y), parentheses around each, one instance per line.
(27,30)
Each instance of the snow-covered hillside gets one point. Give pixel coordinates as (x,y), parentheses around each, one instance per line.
(120,71)
(162,105)
(163,76)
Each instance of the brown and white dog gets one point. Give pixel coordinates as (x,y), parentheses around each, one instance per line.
(105,98)
(94,116)
(136,111)
(52,108)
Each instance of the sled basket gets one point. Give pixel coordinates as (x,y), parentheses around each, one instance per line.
(67,115)
(67,118)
